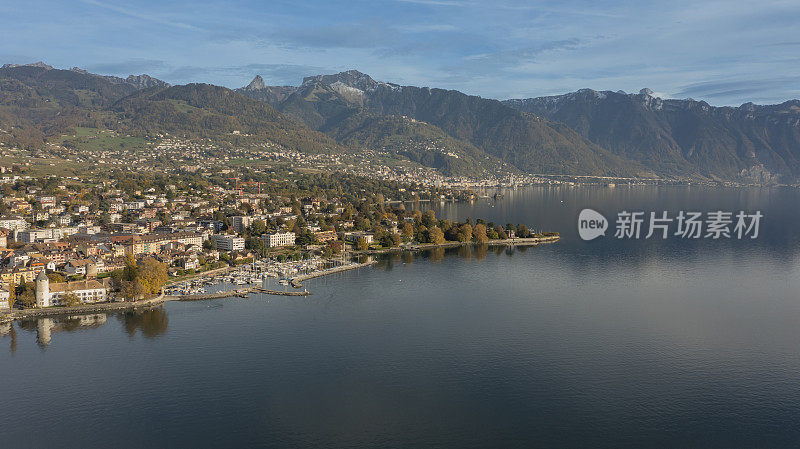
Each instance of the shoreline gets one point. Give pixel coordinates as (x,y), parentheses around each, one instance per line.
(295,282)
(530,241)
(87,308)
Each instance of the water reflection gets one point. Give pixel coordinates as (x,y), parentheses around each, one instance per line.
(151,322)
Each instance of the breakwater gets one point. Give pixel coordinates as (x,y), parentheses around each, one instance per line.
(297,282)
(240,292)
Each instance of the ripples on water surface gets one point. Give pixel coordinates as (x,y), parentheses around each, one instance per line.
(601,344)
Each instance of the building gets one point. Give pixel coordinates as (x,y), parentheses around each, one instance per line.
(353,237)
(228,242)
(13,223)
(276,239)
(133,205)
(5,297)
(46,201)
(77,267)
(18,275)
(126,228)
(240,222)
(48,294)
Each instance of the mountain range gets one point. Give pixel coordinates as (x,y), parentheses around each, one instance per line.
(529,143)
(683,137)
(599,133)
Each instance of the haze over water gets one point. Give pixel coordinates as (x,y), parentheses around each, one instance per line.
(609,343)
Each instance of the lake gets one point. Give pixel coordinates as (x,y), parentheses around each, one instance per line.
(607,343)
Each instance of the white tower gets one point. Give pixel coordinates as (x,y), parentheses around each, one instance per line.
(42,290)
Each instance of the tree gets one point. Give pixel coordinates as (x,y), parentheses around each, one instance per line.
(479,233)
(464,233)
(429,219)
(12,296)
(70,299)
(386,240)
(522,231)
(55,277)
(306,237)
(258,227)
(334,246)
(153,275)
(435,235)
(144,279)
(408,232)
(26,294)
(501,233)
(131,269)
(361,244)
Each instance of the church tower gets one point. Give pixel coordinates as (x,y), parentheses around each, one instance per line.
(42,290)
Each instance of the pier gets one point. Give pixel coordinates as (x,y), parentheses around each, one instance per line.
(240,292)
(297,282)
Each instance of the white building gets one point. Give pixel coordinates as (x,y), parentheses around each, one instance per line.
(13,223)
(52,294)
(45,234)
(240,222)
(279,239)
(133,205)
(228,242)
(35,235)
(353,237)
(4,299)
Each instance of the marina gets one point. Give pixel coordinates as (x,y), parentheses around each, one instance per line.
(263,276)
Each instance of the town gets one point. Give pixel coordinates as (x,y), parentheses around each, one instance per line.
(121,234)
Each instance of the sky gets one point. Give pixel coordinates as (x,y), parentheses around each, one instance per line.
(724,52)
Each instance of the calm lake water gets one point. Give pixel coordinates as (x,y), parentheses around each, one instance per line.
(609,343)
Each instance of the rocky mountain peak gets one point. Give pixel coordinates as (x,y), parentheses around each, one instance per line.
(257,84)
(144,81)
(350,78)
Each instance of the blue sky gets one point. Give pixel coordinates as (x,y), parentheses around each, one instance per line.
(725,52)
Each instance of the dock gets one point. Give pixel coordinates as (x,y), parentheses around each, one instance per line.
(297,282)
(239,292)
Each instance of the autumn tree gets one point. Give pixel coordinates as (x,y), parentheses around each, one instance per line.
(479,234)
(152,276)
(335,246)
(141,280)
(435,235)
(26,294)
(12,297)
(361,244)
(408,232)
(464,233)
